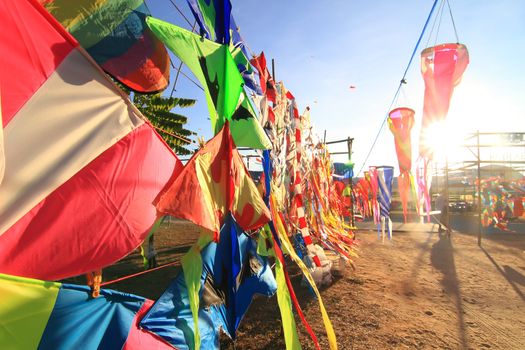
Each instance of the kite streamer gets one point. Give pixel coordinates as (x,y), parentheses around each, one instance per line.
(400,121)
(442,67)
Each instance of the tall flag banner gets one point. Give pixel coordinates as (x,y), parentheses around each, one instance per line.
(48,315)
(213,183)
(401,121)
(82,166)
(217,24)
(267,83)
(442,67)
(214,18)
(115,34)
(232,273)
(215,68)
(297,212)
(385,176)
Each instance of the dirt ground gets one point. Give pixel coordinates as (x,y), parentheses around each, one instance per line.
(418,291)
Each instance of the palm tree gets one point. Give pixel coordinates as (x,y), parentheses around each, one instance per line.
(170,125)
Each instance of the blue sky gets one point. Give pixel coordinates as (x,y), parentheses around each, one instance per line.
(321,48)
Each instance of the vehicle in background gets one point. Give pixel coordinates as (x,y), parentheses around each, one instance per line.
(459,207)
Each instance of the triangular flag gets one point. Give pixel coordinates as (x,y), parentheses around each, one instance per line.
(215,68)
(213,183)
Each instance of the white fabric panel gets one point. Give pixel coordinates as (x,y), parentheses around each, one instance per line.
(75,116)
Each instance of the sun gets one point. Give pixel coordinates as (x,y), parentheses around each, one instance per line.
(444,138)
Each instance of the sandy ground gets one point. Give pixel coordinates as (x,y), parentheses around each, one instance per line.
(418,291)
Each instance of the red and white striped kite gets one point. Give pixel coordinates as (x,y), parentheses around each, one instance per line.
(82,167)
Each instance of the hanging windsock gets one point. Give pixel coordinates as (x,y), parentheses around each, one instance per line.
(442,67)
(374,184)
(401,121)
(385,177)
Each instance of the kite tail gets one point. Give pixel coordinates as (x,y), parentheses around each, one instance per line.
(389,228)
(383,229)
(288,249)
(424,182)
(403,182)
(291,338)
(280,257)
(192,270)
(414,193)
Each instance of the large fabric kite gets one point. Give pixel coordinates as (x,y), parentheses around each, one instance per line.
(215,68)
(400,121)
(115,34)
(213,183)
(442,67)
(82,166)
(48,315)
(232,273)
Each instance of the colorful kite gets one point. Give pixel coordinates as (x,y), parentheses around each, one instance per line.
(213,183)
(72,138)
(49,315)
(385,176)
(115,34)
(400,121)
(232,272)
(442,67)
(215,68)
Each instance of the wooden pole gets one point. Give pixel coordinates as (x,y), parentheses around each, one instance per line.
(349,142)
(273,70)
(447,196)
(479,192)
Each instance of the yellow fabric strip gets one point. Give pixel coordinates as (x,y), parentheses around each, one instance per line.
(291,337)
(192,269)
(25,307)
(288,249)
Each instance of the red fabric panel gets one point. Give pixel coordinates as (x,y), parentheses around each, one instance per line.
(139,339)
(33,45)
(271,115)
(307,240)
(302,222)
(267,84)
(96,217)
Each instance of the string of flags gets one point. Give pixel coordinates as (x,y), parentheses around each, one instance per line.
(90,179)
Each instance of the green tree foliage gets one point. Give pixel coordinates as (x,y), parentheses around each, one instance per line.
(170,125)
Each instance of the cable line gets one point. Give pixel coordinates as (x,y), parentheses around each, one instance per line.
(403,81)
